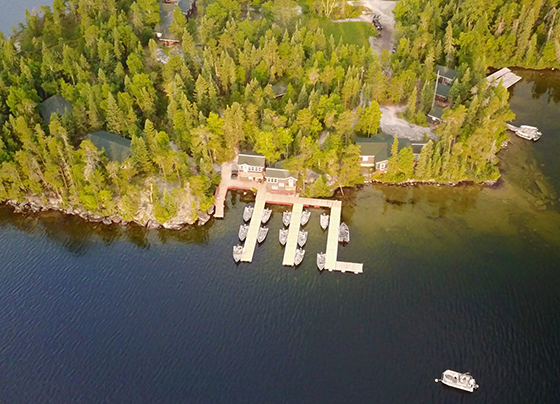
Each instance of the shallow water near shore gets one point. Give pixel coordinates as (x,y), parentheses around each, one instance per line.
(454,277)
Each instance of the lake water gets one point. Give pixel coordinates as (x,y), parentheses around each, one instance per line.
(464,278)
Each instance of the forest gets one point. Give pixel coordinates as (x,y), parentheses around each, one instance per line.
(215,96)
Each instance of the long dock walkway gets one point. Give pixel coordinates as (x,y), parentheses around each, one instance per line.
(332,238)
(293,231)
(254,225)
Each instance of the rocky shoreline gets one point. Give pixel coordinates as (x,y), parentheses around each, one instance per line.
(36,205)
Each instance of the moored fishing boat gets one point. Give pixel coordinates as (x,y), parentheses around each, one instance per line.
(529,133)
(286,217)
(263,231)
(343,233)
(300,253)
(324,220)
(266,215)
(305,215)
(462,381)
(283,236)
(243,230)
(237,252)
(321,259)
(248,212)
(302,238)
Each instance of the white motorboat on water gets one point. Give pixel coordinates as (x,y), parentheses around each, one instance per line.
(266,215)
(248,213)
(321,259)
(263,231)
(237,252)
(461,381)
(286,217)
(305,215)
(302,238)
(324,220)
(300,253)
(526,132)
(243,230)
(343,233)
(283,236)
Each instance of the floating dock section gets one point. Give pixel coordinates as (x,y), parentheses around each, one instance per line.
(505,75)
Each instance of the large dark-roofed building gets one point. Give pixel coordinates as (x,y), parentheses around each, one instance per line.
(55,104)
(116,147)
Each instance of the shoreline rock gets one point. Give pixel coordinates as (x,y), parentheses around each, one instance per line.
(30,206)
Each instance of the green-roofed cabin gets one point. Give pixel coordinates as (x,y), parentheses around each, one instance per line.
(166,9)
(374,153)
(446,75)
(116,147)
(435,114)
(163,29)
(55,104)
(279,180)
(279,89)
(442,92)
(250,166)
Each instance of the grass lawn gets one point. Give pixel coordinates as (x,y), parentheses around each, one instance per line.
(356,33)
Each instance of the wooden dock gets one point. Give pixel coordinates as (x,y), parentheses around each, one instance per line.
(347,267)
(332,238)
(293,230)
(254,226)
(298,203)
(505,75)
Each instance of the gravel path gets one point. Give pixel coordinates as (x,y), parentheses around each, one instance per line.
(391,124)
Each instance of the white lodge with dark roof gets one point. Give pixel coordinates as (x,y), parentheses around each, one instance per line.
(279,180)
(250,167)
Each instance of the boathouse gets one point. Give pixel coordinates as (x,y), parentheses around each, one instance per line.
(55,104)
(250,167)
(279,180)
(117,148)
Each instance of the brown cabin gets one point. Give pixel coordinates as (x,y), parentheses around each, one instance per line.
(281,181)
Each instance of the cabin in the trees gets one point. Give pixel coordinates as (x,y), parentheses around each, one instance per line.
(279,180)
(374,153)
(435,115)
(445,75)
(250,167)
(55,104)
(279,89)
(163,29)
(442,93)
(417,149)
(116,147)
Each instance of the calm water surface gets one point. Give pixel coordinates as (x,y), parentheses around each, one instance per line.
(464,278)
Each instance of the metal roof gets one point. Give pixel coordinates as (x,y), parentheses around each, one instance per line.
(447,72)
(279,173)
(56,103)
(279,89)
(162,29)
(116,147)
(436,112)
(251,159)
(373,147)
(442,90)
